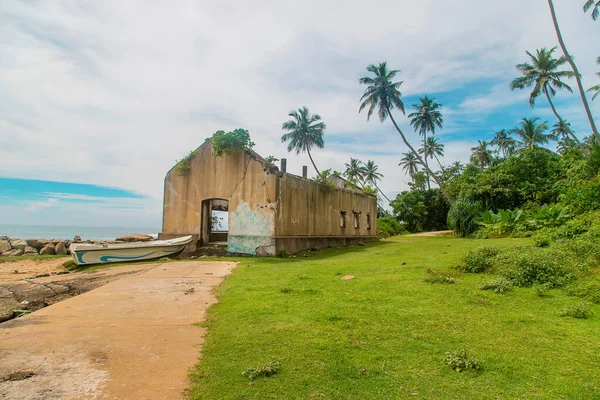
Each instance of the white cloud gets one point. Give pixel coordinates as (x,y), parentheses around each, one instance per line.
(112,93)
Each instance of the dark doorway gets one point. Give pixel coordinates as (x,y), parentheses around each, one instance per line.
(214,221)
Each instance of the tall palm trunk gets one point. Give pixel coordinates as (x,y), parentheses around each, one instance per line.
(311,160)
(381,191)
(440,164)
(579,144)
(412,149)
(426,162)
(575,70)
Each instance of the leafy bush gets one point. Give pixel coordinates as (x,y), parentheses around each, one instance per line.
(182,167)
(368,190)
(549,215)
(460,361)
(504,221)
(589,290)
(231,142)
(498,285)
(581,310)
(388,226)
(478,260)
(526,266)
(542,239)
(269,369)
(541,289)
(421,209)
(462,215)
(323,179)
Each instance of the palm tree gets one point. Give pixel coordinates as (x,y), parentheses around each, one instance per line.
(482,156)
(532,133)
(564,144)
(597,87)
(409,163)
(575,70)
(504,142)
(562,129)
(304,132)
(355,171)
(382,95)
(425,118)
(545,78)
(371,176)
(433,150)
(596,11)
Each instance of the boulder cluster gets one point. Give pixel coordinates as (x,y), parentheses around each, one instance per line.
(28,247)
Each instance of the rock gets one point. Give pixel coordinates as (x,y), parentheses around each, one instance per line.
(135,238)
(5,246)
(348,277)
(13,253)
(77,238)
(30,250)
(48,250)
(60,248)
(18,244)
(3,237)
(37,243)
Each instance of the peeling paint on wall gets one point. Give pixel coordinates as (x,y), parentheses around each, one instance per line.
(250,231)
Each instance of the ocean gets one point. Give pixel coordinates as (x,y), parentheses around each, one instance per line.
(69,232)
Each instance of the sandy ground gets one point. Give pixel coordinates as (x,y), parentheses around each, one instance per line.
(437,233)
(133,338)
(27,267)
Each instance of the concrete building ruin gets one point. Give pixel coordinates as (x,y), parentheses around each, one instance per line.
(268,209)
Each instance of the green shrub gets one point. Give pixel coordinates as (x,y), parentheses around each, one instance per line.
(581,310)
(282,254)
(232,142)
(498,285)
(462,215)
(587,290)
(478,260)
(542,238)
(460,361)
(526,266)
(269,369)
(182,167)
(389,226)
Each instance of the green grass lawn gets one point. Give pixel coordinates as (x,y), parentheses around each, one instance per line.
(384,334)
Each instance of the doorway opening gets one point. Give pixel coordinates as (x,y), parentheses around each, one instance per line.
(215,221)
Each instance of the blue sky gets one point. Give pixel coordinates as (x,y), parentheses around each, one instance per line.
(107,95)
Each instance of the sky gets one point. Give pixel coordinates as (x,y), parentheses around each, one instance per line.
(98,99)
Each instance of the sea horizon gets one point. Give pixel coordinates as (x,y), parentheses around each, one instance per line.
(68,232)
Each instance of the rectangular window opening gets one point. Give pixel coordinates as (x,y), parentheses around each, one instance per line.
(342,219)
(356,220)
(368,221)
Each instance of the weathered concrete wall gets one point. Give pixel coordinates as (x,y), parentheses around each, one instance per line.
(241,179)
(306,208)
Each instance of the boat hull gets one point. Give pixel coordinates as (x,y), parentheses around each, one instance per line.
(86,254)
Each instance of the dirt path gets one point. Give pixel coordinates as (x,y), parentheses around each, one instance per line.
(437,233)
(133,338)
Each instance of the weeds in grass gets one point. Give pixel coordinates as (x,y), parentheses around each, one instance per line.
(269,369)
(435,277)
(285,290)
(541,289)
(589,291)
(459,361)
(498,285)
(581,310)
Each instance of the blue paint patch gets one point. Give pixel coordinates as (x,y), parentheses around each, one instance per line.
(110,258)
(248,230)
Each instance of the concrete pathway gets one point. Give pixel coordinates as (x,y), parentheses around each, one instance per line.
(131,339)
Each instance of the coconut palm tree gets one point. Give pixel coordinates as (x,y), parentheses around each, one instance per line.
(544,76)
(482,156)
(305,131)
(355,171)
(576,73)
(596,88)
(409,163)
(371,176)
(562,129)
(504,142)
(564,144)
(433,149)
(533,133)
(595,11)
(381,96)
(426,117)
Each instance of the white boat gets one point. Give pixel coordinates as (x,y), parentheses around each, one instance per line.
(84,254)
